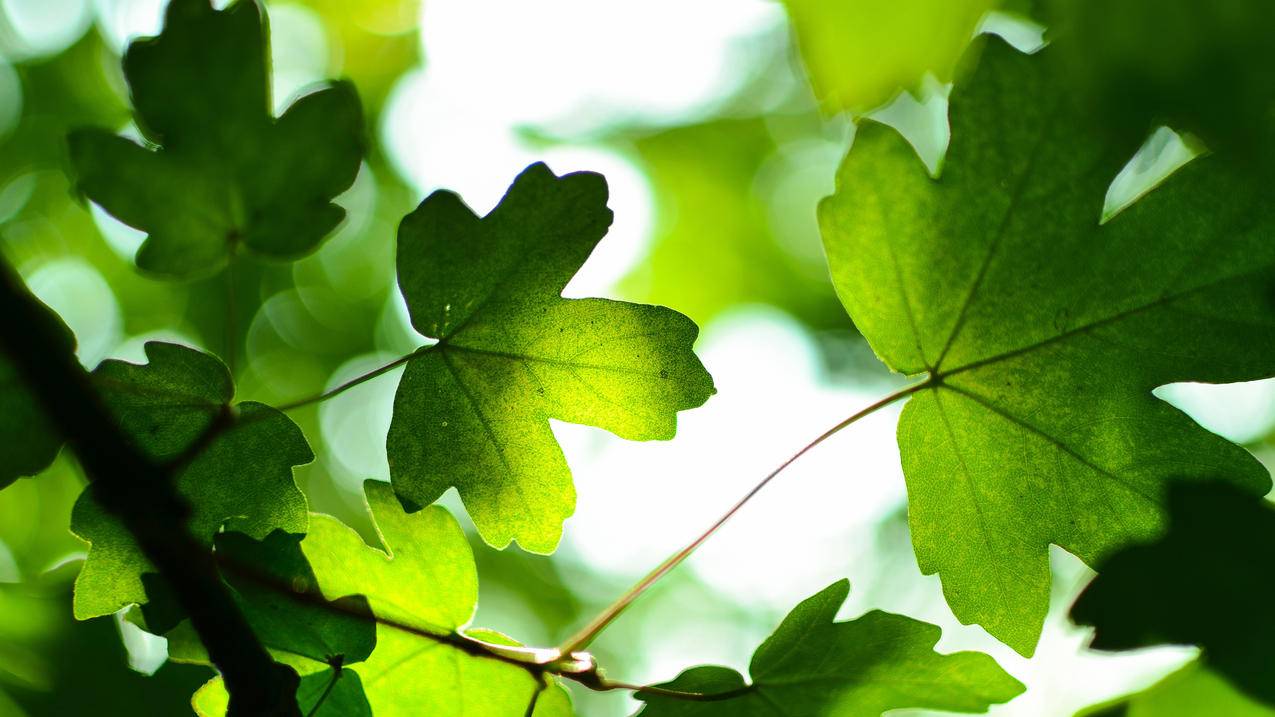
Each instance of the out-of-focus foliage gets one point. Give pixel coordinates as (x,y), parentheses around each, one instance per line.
(999,284)
(1202,583)
(472,411)
(226,175)
(812,665)
(1191,691)
(860,53)
(1203,67)
(52,664)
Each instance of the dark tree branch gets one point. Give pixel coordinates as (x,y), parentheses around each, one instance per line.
(140,493)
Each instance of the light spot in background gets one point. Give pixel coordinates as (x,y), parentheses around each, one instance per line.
(14,195)
(355,264)
(1021,32)
(1164,152)
(922,120)
(770,402)
(355,423)
(791,183)
(74,289)
(120,237)
(576,66)
(146,652)
(9,570)
(1240,412)
(122,21)
(10,102)
(299,51)
(36,28)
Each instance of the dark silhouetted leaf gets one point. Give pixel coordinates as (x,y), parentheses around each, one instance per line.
(1206,582)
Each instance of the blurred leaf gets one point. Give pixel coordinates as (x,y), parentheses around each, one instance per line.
(813,666)
(242,479)
(1205,582)
(714,223)
(377,38)
(423,581)
(1044,333)
(226,173)
(82,667)
(28,440)
(472,411)
(1204,67)
(1191,691)
(860,53)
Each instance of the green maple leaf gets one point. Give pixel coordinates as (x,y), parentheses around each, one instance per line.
(472,410)
(1042,333)
(28,440)
(1202,583)
(242,479)
(424,581)
(813,666)
(226,173)
(1189,692)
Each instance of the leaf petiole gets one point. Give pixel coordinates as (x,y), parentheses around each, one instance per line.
(589,632)
(332,393)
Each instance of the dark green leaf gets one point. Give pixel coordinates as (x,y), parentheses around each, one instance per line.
(472,411)
(28,440)
(226,174)
(1206,582)
(1200,66)
(1044,332)
(812,666)
(317,696)
(422,583)
(278,593)
(241,479)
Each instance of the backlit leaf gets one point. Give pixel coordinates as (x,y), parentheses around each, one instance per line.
(815,667)
(1043,332)
(472,410)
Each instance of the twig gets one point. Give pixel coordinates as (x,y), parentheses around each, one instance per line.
(586,635)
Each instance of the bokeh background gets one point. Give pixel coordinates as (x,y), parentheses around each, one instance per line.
(702,117)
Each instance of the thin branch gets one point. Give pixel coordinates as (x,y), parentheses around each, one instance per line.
(589,632)
(140,493)
(350,384)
